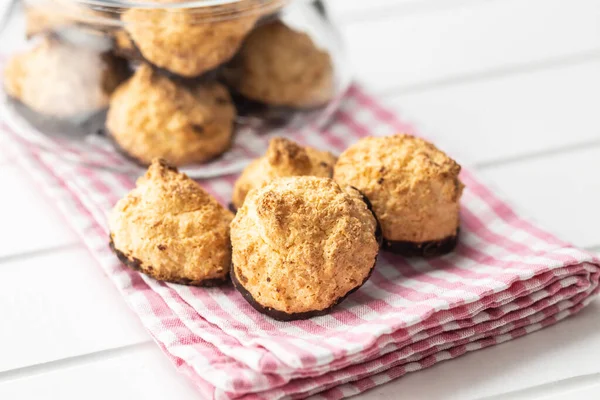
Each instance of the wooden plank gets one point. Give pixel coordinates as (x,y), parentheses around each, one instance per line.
(143,373)
(568,349)
(403,50)
(30,221)
(511,116)
(561,192)
(60,305)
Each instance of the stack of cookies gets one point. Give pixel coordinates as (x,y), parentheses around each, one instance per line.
(172,79)
(308,227)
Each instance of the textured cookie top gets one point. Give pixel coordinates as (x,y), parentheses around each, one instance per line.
(300,244)
(153,116)
(283,158)
(413,158)
(189,42)
(175,229)
(62,80)
(413,186)
(280,66)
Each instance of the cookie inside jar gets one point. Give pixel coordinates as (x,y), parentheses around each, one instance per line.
(279,62)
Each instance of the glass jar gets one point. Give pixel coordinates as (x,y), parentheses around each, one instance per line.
(114,83)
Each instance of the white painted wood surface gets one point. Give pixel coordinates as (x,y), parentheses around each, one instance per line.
(510,116)
(510,87)
(37,303)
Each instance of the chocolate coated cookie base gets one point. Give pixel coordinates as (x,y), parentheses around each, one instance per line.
(273,116)
(108,134)
(431,248)
(136,265)
(276,314)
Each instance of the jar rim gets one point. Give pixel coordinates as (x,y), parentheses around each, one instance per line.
(108,12)
(176,5)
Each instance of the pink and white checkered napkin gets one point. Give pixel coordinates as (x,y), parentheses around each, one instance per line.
(506,278)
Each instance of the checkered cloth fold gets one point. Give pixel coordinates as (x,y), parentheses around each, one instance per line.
(506,278)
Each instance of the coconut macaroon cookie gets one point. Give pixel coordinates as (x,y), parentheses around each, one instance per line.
(283,158)
(414,188)
(301,245)
(61,80)
(282,67)
(168,227)
(188,42)
(153,116)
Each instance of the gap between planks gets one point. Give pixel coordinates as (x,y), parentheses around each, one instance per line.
(515,69)
(555,388)
(387,11)
(548,153)
(593,249)
(40,252)
(63,363)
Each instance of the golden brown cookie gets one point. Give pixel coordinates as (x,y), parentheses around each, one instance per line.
(168,227)
(190,42)
(124,46)
(414,188)
(283,158)
(301,245)
(153,116)
(61,80)
(282,67)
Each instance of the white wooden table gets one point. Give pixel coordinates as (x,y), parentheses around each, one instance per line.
(510,87)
